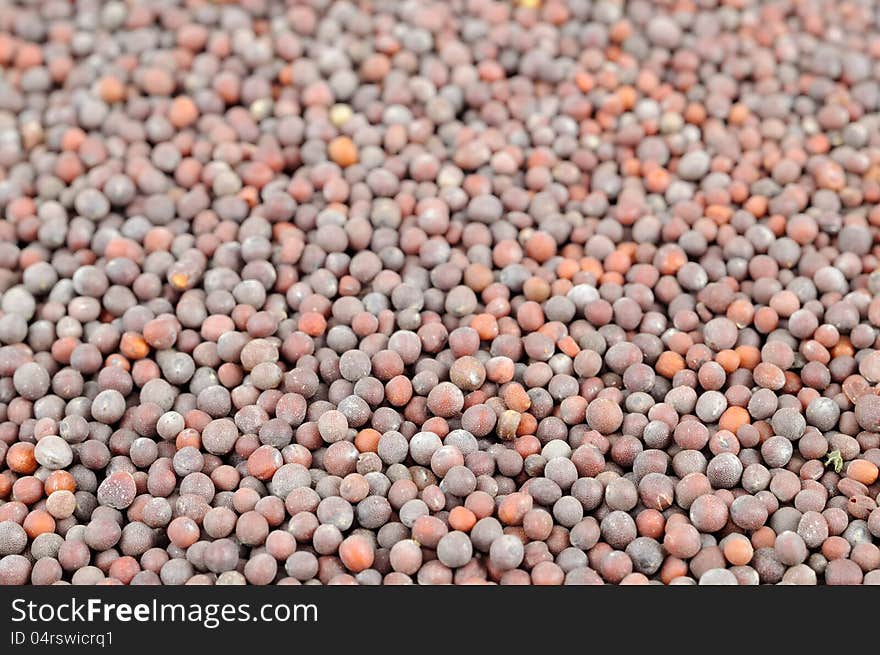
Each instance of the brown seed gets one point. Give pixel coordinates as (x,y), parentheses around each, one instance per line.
(118,490)
(508,423)
(604,415)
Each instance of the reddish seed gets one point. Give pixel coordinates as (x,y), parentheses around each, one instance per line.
(183,112)
(38,522)
(20,458)
(356,553)
(343,151)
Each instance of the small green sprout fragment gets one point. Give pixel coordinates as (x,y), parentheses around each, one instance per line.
(834,459)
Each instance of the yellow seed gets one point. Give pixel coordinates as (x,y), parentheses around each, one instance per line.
(340,114)
(180,280)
